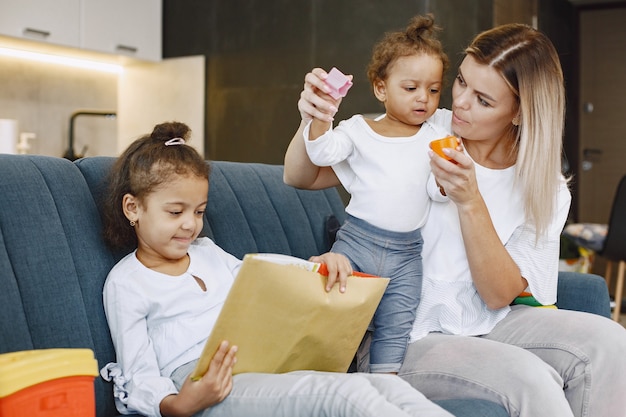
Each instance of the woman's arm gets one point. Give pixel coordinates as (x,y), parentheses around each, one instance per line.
(495,274)
(299,171)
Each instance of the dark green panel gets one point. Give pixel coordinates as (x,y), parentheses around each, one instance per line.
(258,51)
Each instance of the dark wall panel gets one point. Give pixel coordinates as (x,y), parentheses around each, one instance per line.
(258,51)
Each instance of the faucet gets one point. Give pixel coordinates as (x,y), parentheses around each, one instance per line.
(69,153)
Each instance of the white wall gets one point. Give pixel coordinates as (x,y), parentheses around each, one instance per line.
(42,97)
(152,93)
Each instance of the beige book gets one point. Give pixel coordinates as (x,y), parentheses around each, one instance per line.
(282,319)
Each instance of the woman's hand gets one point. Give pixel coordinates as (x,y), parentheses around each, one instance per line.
(209,390)
(339,268)
(457,177)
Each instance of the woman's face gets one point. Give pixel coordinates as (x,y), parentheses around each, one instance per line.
(483,105)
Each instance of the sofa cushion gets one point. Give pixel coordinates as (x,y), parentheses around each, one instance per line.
(583,292)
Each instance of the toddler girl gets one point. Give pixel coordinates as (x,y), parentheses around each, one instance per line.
(384,165)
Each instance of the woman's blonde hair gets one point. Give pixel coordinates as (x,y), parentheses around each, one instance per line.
(530,65)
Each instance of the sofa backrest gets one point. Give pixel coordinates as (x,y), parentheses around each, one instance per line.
(250,209)
(53,262)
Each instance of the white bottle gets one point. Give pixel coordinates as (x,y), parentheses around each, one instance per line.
(8,136)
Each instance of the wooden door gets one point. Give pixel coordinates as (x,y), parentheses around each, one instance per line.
(602,114)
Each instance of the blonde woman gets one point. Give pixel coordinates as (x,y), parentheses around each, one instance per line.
(496,237)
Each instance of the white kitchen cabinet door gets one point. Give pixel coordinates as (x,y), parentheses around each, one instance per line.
(124,27)
(55,21)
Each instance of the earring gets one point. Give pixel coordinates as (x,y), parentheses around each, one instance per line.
(516,121)
(133,223)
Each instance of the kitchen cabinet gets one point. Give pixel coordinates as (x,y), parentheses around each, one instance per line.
(121,27)
(56,22)
(124,27)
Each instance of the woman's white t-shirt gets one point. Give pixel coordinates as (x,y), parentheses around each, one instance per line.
(450,303)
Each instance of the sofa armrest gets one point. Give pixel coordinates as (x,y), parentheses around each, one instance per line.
(583,292)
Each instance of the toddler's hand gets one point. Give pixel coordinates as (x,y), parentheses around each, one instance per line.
(339,268)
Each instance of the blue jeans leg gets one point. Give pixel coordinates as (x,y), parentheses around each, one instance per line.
(315,394)
(396,256)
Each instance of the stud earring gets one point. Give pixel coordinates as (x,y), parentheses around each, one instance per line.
(133,223)
(516,121)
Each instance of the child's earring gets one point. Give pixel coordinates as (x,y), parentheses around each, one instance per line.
(129,207)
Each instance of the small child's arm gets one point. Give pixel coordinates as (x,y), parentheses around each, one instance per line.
(435,191)
(319,127)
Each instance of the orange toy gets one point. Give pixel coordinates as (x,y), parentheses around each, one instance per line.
(447,142)
(48,383)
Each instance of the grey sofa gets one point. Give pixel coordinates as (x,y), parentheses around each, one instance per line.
(53,261)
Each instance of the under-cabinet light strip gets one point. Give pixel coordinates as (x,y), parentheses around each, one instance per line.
(62,60)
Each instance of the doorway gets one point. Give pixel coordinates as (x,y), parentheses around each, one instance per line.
(602,113)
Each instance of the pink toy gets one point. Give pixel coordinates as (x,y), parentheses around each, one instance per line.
(339,84)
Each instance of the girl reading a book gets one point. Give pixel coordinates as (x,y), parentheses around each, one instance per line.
(162,299)
(497,236)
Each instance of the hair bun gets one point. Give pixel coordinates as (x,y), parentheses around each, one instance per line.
(421,27)
(167,131)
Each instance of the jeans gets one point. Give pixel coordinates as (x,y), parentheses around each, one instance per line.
(396,256)
(317,394)
(535,362)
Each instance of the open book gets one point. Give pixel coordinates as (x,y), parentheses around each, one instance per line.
(320,268)
(282,319)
